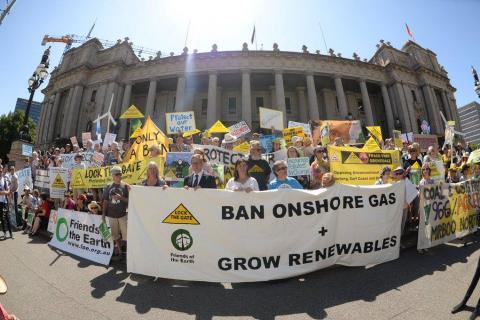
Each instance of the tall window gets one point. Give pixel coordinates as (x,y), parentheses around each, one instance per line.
(93,96)
(232,105)
(288,105)
(414,96)
(204,106)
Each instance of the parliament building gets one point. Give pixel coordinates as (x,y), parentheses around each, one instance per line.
(396,88)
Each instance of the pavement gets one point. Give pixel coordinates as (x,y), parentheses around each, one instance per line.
(45,283)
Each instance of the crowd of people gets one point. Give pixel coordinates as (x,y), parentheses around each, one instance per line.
(251,173)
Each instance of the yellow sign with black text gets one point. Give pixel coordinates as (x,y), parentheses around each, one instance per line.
(180,215)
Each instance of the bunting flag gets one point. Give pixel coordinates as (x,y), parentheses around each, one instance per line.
(409,32)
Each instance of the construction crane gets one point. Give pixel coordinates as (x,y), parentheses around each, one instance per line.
(70,39)
(5,12)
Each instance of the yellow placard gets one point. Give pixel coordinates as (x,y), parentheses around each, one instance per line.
(132,172)
(58,182)
(180,215)
(218,127)
(289,133)
(149,136)
(136,133)
(191,133)
(132,113)
(371,145)
(376,131)
(397,139)
(360,167)
(243,147)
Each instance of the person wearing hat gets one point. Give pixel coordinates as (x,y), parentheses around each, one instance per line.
(216,141)
(113,157)
(28,204)
(94,208)
(452,175)
(228,141)
(115,203)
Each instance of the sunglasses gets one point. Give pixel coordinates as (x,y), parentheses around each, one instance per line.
(282,168)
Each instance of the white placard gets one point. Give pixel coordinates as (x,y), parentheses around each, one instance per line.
(180,121)
(270,118)
(59,178)
(298,166)
(24,179)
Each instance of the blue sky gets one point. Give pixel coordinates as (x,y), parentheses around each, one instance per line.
(447,27)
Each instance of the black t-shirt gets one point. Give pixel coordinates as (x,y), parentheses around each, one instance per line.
(115,208)
(260,170)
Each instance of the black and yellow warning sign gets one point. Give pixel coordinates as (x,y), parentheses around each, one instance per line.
(353,159)
(58,182)
(180,215)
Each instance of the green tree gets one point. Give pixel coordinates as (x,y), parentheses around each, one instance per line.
(10,125)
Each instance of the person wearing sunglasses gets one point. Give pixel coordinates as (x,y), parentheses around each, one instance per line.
(68,202)
(282,180)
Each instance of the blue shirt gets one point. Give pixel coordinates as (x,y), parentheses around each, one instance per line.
(288,183)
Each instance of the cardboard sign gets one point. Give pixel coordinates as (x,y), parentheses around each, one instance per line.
(270,118)
(85,137)
(298,166)
(109,139)
(425,141)
(74,141)
(306,127)
(239,129)
(289,133)
(59,178)
(349,131)
(180,121)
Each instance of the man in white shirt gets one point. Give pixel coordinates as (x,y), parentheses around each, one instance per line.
(14,194)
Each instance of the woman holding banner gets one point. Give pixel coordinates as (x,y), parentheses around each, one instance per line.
(153,177)
(282,181)
(318,167)
(242,181)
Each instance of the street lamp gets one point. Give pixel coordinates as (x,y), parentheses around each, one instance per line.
(477,82)
(35,81)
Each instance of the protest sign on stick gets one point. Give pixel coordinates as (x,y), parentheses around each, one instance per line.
(270,118)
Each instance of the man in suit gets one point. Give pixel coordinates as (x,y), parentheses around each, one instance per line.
(199,178)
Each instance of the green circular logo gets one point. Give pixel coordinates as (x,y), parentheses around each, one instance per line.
(182,240)
(60,222)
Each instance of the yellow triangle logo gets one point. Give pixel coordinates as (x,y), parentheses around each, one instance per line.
(170,174)
(191,133)
(353,159)
(416,166)
(132,113)
(376,131)
(218,127)
(180,215)
(244,147)
(136,133)
(58,183)
(78,180)
(371,145)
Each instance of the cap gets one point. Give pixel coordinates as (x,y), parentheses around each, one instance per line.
(115,170)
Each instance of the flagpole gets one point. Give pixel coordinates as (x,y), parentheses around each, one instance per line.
(323,36)
(188,30)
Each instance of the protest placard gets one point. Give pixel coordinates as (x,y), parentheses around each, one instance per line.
(447,212)
(177,165)
(42,180)
(270,118)
(244,147)
(266,141)
(97,159)
(149,136)
(360,167)
(218,127)
(349,131)
(298,166)
(78,233)
(27,150)
(425,141)
(239,129)
(132,113)
(24,179)
(59,178)
(306,126)
(85,137)
(220,155)
(363,226)
(180,121)
(109,139)
(289,133)
(74,141)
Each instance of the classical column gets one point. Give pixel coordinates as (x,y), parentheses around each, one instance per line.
(41,121)
(342,100)
(432,110)
(127,94)
(74,111)
(180,94)
(246,98)
(53,118)
(446,106)
(312,98)
(212,99)
(280,94)
(403,112)
(327,97)
(302,106)
(152,92)
(66,113)
(220,107)
(273,99)
(367,107)
(388,110)
(48,118)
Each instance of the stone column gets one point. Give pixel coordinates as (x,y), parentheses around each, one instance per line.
(446,106)
(403,107)
(366,103)
(74,110)
(53,117)
(152,92)
(212,99)
(280,94)
(327,95)
(312,98)
(302,106)
(432,110)
(342,100)
(180,94)
(273,99)
(388,110)
(66,113)
(127,94)
(246,98)
(220,107)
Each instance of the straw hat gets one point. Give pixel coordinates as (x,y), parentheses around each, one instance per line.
(228,138)
(93,204)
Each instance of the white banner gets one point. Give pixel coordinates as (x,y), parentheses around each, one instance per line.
(24,178)
(217,155)
(213,235)
(78,233)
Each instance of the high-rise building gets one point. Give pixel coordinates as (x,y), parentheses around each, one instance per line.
(35,109)
(470,122)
